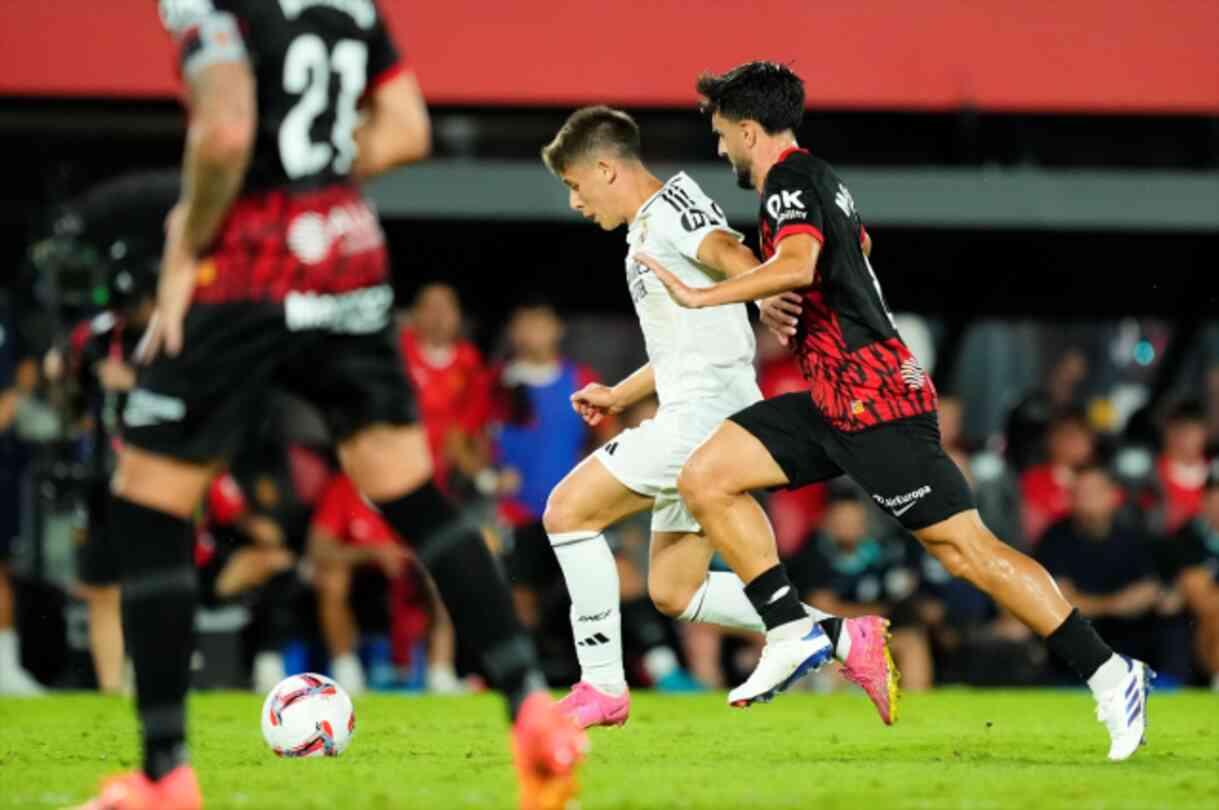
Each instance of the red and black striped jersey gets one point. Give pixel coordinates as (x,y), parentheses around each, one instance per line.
(860,372)
(313,61)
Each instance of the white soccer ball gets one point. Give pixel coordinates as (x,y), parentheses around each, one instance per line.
(308,715)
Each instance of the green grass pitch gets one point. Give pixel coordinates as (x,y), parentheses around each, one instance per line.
(951,749)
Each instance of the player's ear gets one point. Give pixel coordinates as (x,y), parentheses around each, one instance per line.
(609,172)
(749,132)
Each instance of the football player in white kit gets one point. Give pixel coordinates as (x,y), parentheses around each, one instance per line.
(701,370)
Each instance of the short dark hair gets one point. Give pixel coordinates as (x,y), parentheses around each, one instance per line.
(766,92)
(588,130)
(1186,410)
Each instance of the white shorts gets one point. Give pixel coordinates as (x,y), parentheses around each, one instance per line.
(647,459)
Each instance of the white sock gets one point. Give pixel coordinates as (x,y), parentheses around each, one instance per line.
(1109,676)
(9,654)
(592,581)
(721,600)
(1215,682)
(843,648)
(790,631)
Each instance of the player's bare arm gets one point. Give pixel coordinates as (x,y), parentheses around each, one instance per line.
(596,401)
(793,267)
(722,251)
(395,129)
(218,146)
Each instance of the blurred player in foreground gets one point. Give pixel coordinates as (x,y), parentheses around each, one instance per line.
(275,271)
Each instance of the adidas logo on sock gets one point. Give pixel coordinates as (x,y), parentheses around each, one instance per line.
(593,641)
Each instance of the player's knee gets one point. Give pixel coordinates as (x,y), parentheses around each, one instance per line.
(669,597)
(702,483)
(561,514)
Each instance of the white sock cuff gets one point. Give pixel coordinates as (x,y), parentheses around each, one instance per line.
(568,538)
(690,614)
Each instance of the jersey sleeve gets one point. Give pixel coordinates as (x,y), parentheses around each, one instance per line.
(694,217)
(477,406)
(330,515)
(384,59)
(225,501)
(204,35)
(791,206)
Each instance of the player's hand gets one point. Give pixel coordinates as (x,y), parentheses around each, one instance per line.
(687,297)
(594,402)
(178,268)
(391,558)
(781,313)
(114,374)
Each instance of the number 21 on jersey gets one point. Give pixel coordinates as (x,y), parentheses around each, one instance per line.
(308,67)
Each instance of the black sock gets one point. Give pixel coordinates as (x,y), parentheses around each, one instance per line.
(1078,644)
(158,586)
(833,629)
(472,587)
(774,598)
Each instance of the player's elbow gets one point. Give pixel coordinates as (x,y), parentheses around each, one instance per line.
(801,275)
(417,146)
(225,142)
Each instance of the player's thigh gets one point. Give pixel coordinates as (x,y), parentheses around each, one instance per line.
(357,380)
(387,461)
(161,482)
(590,498)
(195,408)
(677,566)
(903,467)
(191,410)
(771,444)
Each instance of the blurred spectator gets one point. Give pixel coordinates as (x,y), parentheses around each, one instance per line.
(451,383)
(18,376)
(1189,562)
(845,571)
(102,366)
(538,439)
(996,493)
(1030,419)
(794,513)
(350,543)
(1104,568)
(1181,467)
(239,548)
(1046,487)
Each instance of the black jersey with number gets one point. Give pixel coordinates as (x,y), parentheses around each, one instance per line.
(313,61)
(860,372)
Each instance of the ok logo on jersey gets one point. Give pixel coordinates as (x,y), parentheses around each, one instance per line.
(785,205)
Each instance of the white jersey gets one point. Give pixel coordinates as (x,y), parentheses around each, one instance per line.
(698,355)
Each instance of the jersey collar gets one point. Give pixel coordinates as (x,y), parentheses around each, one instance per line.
(788,152)
(655,196)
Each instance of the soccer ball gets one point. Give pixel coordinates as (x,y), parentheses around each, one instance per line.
(308,715)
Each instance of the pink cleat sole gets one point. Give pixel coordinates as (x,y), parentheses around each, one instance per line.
(870,665)
(588,706)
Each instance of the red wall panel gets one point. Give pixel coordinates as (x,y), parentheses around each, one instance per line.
(1019,55)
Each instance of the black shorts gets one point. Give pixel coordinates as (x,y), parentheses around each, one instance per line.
(97,557)
(336,351)
(901,464)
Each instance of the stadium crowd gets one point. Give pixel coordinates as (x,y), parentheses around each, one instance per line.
(297,571)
